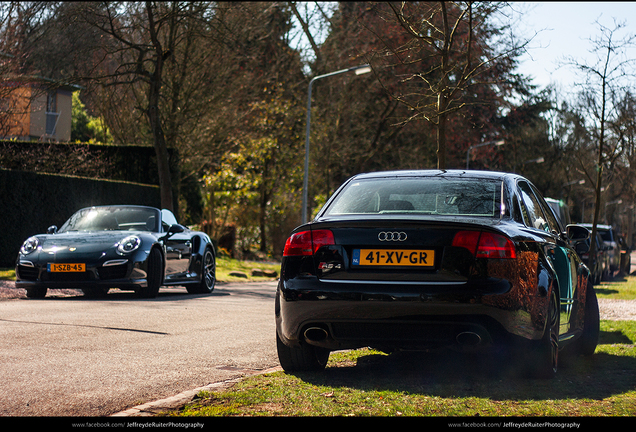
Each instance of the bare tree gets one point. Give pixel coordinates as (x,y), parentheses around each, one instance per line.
(147,51)
(448,48)
(605,80)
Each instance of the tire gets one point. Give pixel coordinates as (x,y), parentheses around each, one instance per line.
(36,293)
(545,353)
(304,358)
(208,275)
(586,345)
(605,276)
(155,275)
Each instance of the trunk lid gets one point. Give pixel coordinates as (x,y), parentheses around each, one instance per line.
(399,250)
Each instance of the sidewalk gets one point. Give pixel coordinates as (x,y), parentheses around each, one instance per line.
(154,408)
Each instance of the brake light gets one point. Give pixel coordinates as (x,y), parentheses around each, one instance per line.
(467,239)
(307,242)
(485,244)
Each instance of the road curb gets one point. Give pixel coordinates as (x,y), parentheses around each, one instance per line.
(150,409)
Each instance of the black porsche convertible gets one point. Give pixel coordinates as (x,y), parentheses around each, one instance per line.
(419,260)
(127,247)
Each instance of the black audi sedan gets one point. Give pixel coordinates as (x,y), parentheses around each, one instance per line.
(419,260)
(120,246)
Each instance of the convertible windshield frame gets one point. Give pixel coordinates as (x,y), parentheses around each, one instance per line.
(113,218)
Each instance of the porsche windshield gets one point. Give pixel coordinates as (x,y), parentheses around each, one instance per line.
(419,195)
(113,218)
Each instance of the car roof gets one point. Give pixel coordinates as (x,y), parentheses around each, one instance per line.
(601,226)
(441,173)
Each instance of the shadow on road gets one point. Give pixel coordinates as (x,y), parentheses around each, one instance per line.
(116,295)
(257,290)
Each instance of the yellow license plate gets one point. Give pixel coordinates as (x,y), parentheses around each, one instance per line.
(67,268)
(394,257)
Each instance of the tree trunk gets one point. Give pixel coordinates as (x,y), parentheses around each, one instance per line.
(441,131)
(599,175)
(262,221)
(154,118)
(163,161)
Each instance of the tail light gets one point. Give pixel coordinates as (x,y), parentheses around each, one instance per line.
(307,242)
(485,244)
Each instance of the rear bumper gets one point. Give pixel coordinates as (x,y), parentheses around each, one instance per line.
(387,315)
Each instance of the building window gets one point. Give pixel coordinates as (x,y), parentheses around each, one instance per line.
(51,112)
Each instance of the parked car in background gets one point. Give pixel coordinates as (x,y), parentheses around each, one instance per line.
(419,260)
(626,256)
(561,210)
(610,239)
(600,267)
(127,247)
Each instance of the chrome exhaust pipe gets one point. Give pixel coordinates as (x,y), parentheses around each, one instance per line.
(468,339)
(316,334)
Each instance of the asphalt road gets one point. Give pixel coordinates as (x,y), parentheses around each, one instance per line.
(73,356)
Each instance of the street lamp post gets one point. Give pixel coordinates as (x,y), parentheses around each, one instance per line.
(359,70)
(497,143)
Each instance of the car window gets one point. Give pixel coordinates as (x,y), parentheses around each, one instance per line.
(533,214)
(410,195)
(605,234)
(553,224)
(516,210)
(525,216)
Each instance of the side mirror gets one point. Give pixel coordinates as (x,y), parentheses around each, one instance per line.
(579,238)
(577,233)
(52,229)
(176,229)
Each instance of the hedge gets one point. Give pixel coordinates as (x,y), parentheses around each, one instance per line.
(31,202)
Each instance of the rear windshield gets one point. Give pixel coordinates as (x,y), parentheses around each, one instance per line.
(426,195)
(606,234)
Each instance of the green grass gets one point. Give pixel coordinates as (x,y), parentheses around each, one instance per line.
(364,382)
(621,288)
(7,274)
(225,266)
(368,383)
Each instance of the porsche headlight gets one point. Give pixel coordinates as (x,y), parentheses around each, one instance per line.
(129,244)
(29,245)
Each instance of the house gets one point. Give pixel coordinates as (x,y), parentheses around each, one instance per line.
(35,108)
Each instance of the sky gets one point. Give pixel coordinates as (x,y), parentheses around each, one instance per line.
(564,29)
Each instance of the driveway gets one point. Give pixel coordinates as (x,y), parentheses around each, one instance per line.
(66,355)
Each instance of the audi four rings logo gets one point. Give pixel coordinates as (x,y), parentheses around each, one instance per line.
(392,236)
